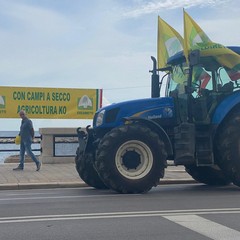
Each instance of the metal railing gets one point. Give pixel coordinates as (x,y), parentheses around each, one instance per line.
(11,140)
(65,145)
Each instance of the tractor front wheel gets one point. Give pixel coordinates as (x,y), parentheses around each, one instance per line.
(131,159)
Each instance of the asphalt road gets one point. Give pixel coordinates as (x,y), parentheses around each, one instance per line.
(168,212)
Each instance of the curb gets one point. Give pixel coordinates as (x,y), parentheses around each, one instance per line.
(21,186)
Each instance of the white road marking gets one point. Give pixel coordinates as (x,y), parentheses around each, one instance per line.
(166,214)
(205,227)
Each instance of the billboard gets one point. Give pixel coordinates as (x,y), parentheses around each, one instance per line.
(49,103)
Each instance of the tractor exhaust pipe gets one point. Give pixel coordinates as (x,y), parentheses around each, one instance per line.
(155,86)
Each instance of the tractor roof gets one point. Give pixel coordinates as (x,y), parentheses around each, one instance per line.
(179,57)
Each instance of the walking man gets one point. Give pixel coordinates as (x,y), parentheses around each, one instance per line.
(27,135)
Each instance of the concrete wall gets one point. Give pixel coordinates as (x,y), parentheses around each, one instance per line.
(47,144)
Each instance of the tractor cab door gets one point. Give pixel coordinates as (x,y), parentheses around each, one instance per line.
(184,132)
(209,88)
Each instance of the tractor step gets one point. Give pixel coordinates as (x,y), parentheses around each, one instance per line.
(184,144)
(204,146)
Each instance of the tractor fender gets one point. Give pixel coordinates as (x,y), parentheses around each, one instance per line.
(154,127)
(225,107)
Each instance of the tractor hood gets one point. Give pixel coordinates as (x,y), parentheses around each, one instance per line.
(155,109)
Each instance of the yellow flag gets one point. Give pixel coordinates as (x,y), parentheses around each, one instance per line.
(196,38)
(193,34)
(169,42)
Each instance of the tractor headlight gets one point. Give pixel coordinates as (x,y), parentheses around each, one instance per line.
(99,119)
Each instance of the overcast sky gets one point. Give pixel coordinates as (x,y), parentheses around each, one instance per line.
(96,43)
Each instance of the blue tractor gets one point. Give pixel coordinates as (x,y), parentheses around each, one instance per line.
(196,124)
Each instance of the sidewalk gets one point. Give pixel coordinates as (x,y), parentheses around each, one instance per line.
(65,175)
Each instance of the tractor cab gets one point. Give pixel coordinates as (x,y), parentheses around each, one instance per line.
(205,92)
(200,88)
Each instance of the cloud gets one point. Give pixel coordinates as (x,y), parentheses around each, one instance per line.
(146,7)
(36,43)
(33,18)
(48,47)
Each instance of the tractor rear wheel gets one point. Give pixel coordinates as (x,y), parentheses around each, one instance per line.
(86,170)
(228,148)
(131,159)
(208,175)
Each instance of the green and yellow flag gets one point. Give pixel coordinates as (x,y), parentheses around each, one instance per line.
(169,42)
(196,38)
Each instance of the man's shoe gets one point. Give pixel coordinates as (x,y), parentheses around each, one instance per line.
(19,168)
(39,166)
